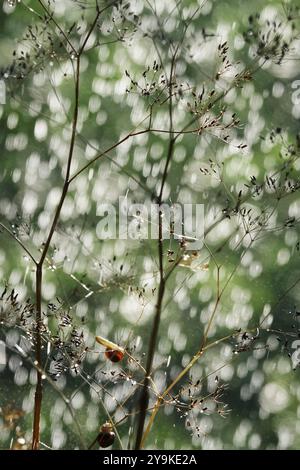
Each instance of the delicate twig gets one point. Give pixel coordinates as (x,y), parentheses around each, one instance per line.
(39,271)
(101,154)
(144,399)
(19,242)
(55,387)
(51,16)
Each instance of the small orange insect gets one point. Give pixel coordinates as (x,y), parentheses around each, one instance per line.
(113,352)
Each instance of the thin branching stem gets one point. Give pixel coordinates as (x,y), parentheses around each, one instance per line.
(50,15)
(144,398)
(39,272)
(19,242)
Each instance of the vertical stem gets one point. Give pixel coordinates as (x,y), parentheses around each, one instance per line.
(38,357)
(39,272)
(67,181)
(144,399)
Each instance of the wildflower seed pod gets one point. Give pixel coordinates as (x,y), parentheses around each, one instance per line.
(106,435)
(113,352)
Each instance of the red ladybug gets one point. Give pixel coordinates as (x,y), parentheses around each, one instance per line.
(114,355)
(113,352)
(106,436)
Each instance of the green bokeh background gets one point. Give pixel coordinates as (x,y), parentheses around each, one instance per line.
(253,375)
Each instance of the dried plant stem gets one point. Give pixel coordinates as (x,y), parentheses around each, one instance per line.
(39,273)
(157,405)
(39,265)
(101,154)
(38,361)
(61,31)
(184,371)
(144,399)
(19,242)
(199,353)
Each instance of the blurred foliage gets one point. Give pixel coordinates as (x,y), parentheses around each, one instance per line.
(109,287)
